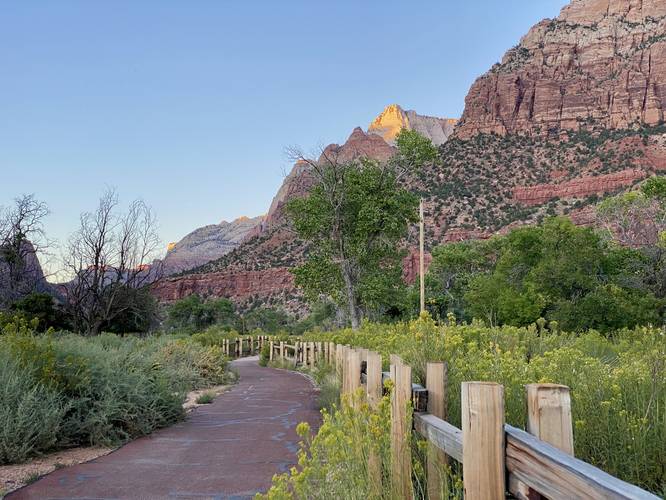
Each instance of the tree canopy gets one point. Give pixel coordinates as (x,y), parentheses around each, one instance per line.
(353,220)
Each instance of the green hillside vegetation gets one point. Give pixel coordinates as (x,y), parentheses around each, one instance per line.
(579,277)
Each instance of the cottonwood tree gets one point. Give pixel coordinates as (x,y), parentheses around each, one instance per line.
(22,238)
(353,219)
(109,258)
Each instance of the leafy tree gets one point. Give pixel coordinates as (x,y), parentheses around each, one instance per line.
(266,319)
(637,219)
(193,313)
(137,312)
(558,271)
(42,307)
(353,219)
(452,268)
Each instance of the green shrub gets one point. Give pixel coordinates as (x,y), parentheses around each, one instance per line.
(32,415)
(264,355)
(115,388)
(206,398)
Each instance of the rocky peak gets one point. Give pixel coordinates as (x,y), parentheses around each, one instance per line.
(207,243)
(600,63)
(393,119)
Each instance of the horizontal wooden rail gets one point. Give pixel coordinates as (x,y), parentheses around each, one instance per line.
(537,464)
(442,434)
(556,474)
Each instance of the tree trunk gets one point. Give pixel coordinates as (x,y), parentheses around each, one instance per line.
(351,295)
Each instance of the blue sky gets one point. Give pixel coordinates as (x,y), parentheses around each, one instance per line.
(190,104)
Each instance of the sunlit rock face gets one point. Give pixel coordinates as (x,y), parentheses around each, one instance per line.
(393,119)
(600,62)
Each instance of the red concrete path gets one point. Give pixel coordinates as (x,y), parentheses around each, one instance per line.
(227,450)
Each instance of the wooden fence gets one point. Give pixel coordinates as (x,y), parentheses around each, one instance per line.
(244,346)
(496,457)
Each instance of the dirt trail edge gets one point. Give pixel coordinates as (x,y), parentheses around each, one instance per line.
(227,450)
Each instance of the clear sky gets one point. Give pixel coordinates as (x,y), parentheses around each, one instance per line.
(190,104)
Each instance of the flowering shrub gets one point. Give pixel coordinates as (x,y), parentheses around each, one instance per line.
(618,382)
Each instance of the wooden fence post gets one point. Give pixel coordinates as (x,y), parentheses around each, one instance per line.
(436,380)
(549,415)
(483,440)
(313,354)
(549,419)
(401,428)
(282,349)
(374,388)
(353,372)
(270,355)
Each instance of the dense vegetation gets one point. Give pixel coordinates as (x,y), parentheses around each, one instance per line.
(194,314)
(61,390)
(353,219)
(618,389)
(577,276)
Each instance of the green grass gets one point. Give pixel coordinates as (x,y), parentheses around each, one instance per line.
(205,398)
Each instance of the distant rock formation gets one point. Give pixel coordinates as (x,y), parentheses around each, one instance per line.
(31,278)
(207,243)
(393,119)
(600,62)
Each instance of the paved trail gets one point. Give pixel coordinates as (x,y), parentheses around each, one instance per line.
(227,450)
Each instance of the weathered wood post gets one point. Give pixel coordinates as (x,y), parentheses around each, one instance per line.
(401,427)
(549,419)
(436,380)
(374,388)
(339,359)
(313,354)
(270,350)
(354,370)
(549,415)
(282,349)
(483,440)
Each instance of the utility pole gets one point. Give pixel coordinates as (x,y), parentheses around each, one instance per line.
(421,255)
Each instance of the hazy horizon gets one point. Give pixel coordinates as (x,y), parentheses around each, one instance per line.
(190,108)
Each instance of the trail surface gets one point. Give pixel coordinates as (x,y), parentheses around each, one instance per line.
(227,450)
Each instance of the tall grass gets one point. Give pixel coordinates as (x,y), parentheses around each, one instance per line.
(618,383)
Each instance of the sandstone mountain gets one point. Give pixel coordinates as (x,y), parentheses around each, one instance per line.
(601,62)
(573,113)
(207,243)
(394,118)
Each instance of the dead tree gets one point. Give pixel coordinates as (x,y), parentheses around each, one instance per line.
(109,258)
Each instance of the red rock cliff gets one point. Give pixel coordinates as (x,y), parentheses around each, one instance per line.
(599,60)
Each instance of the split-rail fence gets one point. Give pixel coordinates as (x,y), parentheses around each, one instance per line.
(496,457)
